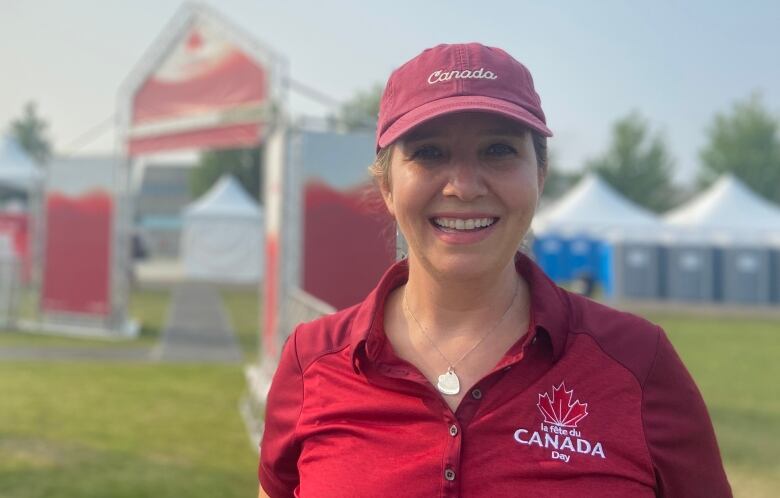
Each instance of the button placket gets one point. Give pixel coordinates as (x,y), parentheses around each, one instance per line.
(452,459)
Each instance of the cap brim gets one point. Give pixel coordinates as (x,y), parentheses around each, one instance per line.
(455,104)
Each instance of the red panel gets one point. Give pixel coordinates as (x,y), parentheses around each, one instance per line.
(231,81)
(349,241)
(77,272)
(244,135)
(271,302)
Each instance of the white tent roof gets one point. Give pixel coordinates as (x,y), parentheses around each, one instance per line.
(226,199)
(728,208)
(593,207)
(16,168)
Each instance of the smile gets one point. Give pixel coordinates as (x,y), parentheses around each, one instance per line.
(461,224)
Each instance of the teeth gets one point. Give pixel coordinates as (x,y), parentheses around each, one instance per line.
(461,224)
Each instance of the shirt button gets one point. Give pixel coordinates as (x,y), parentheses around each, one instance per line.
(449,474)
(453,430)
(476,394)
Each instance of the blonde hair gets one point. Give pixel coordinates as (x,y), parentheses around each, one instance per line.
(380,168)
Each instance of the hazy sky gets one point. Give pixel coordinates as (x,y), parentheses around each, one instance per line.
(678,63)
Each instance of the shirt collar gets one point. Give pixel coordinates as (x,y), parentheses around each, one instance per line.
(549,304)
(549,309)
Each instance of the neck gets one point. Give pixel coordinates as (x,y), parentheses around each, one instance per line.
(460,307)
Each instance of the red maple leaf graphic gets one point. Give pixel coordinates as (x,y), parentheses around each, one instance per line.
(195,41)
(559,409)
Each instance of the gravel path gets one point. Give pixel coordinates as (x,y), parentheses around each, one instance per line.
(198,328)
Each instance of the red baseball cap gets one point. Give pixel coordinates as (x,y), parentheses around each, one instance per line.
(454,78)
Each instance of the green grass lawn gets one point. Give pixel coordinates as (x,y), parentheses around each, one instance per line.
(96,430)
(734,362)
(243,307)
(82,430)
(149,306)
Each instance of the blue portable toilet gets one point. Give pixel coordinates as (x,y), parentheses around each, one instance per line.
(745,270)
(632,266)
(605,268)
(566,258)
(691,271)
(580,256)
(581,219)
(550,254)
(738,226)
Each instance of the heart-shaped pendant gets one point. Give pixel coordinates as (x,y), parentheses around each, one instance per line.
(448,383)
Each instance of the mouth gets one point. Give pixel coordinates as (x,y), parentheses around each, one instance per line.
(454,225)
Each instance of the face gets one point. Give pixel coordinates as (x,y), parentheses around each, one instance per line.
(464,188)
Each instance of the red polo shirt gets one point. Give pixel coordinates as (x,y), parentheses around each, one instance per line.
(593,403)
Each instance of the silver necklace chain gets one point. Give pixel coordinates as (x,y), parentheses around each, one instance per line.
(476,345)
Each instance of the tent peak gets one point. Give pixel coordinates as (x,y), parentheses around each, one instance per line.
(593,205)
(225,198)
(728,204)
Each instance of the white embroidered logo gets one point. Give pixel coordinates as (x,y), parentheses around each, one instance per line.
(479,74)
(558,432)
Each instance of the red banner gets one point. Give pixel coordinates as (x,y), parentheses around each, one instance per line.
(206,93)
(78,254)
(345,229)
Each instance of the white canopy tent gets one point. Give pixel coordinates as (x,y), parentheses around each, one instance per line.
(728,212)
(16,168)
(222,236)
(593,208)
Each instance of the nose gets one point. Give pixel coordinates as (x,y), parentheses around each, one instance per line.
(465,180)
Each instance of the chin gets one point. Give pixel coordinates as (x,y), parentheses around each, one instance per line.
(468,266)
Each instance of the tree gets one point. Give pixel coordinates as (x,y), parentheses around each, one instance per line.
(744,142)
(637,164)
(30,131)
(557,181)
(359,112)
(244,164)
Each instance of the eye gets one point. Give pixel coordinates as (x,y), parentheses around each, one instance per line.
(500,150)
(427,153)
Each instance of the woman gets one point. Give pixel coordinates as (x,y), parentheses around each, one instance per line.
(467,372)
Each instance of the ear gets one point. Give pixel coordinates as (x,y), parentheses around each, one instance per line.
(387,196)
(385,182)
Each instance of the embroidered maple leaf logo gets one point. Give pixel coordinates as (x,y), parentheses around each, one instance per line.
(558,409)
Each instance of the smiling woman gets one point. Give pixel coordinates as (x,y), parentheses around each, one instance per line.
(467,372)
(453,173)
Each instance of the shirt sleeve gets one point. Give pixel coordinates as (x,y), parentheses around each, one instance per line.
(279,450)
(679,432)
